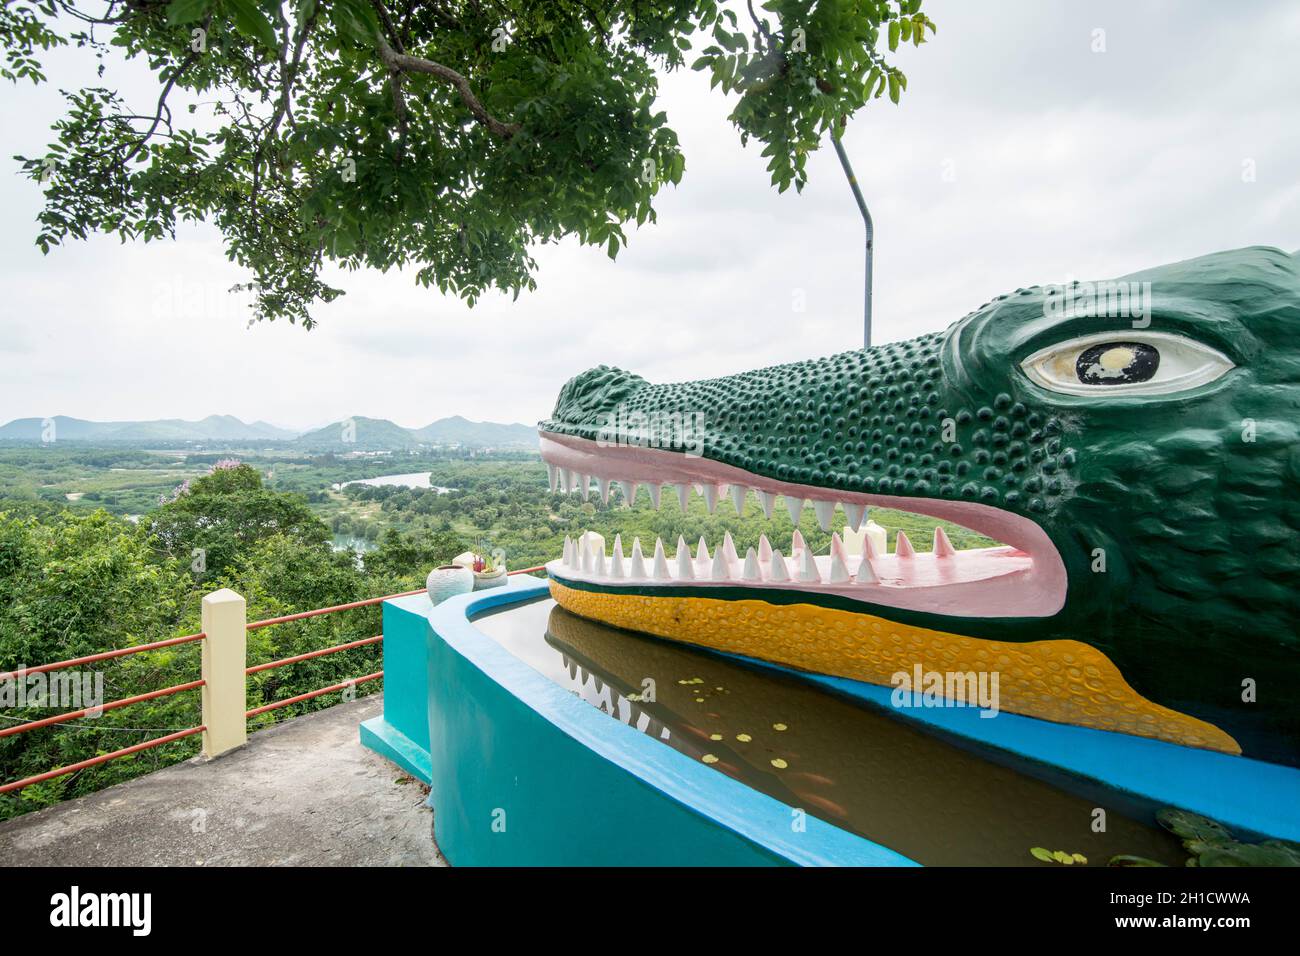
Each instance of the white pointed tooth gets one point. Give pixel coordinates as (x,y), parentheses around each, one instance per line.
(552,475)
(685,567)
(942,546)
(567,559)
(866,574)
(597,560)
(681,545)
(837,547)
(660,562)
(710,493)
(854,515)
(797,542)
(808,568)
(584,557)
(618,545)
(572,479)
(778,569)
(903,547)
(750,571)
(584,483)
(869,549)
(656,491)
(729,548)
(768,501)
(738,493)
(683,496)
(637,570)
(602,485)
(795,507)
(563,481)
(616,560)
(825,511)
(764,549)
(839,571)
(720,570)
(701,551)
(629,492)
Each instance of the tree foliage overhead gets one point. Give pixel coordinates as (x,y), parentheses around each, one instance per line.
(448,136)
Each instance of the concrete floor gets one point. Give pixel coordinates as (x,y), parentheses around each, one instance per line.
(302,793)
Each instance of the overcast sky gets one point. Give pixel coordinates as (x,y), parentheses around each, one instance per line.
(1019,155)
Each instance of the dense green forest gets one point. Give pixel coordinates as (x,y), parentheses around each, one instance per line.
(104,549)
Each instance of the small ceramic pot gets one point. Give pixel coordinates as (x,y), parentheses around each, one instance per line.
(489,579)
(448,581)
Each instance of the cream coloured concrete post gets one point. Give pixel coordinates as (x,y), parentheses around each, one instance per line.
(225,615)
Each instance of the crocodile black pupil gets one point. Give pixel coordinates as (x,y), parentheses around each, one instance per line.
(1117,363)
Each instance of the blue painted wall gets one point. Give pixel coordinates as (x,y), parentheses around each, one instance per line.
(524,773)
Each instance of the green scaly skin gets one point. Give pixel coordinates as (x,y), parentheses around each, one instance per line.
(1199,524)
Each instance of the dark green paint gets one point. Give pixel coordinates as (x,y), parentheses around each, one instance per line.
(1198,524)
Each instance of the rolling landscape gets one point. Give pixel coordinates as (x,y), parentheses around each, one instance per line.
(353,434)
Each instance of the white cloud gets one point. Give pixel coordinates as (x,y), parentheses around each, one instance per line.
(1063,162)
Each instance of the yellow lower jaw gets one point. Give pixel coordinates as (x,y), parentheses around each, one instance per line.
(1064,681)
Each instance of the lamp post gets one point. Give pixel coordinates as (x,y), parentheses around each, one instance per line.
(870,237)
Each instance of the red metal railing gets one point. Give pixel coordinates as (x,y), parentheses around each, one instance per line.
(193,685)
(102,758)
(106,655)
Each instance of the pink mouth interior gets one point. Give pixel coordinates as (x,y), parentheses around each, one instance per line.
(1023,578)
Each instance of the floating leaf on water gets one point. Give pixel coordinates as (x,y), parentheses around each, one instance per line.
(1041,854)
(715,736)
(1191,826)
(709,758)
(1249,854)
(1127,860)
(1079,858)
(779,764)
(778,727)
(744,738)
(1060,856)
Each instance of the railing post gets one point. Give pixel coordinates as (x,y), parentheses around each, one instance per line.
(225,617)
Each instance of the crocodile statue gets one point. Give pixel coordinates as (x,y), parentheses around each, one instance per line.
(1133,446)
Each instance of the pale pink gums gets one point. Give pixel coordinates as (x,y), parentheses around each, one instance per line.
(1025,579)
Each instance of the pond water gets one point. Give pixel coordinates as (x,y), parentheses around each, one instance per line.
(352,542)
(417,479)
(867,770)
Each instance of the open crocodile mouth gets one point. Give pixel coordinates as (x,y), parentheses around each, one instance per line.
(1023,577)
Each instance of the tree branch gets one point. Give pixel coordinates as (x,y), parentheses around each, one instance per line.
(402,62)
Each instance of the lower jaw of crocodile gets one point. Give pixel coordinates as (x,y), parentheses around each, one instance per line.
(777,610)
(1023,578)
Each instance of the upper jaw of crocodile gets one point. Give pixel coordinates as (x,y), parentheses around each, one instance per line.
(1023,578)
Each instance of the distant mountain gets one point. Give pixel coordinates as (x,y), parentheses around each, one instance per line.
(353,434)
(212,428)
(379,434)
(359,434)
(446,431)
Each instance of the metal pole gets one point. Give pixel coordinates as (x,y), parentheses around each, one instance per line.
(871,236)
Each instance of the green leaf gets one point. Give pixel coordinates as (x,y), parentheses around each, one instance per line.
(252,22)
(357,18)
(612,249)
(1127,860)
(187,11)
(1039,853)
(1192,826)
(894,30)
(893,87)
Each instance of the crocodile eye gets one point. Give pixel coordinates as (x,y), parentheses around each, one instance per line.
(1117,363)
(1153,363)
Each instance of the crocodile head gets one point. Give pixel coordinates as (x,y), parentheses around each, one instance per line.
(1134,446)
